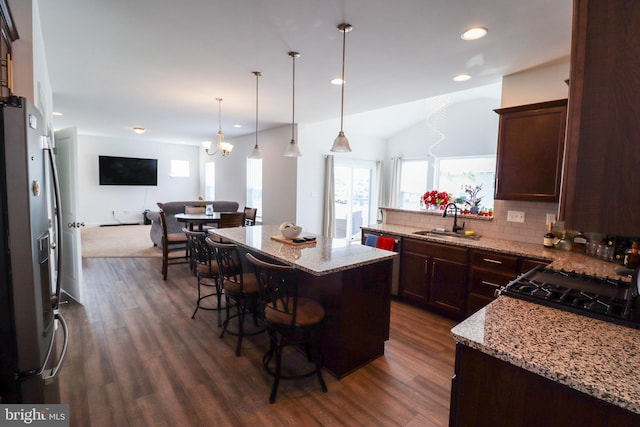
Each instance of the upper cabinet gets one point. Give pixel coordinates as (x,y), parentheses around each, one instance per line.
(530,149)
(601,181)
(8,34)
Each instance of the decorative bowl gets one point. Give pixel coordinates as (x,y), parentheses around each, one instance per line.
(290,231)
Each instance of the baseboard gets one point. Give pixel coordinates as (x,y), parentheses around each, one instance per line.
(120,223)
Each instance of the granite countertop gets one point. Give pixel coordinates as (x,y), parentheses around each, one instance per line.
(598,358)
(559,260)
(324,257)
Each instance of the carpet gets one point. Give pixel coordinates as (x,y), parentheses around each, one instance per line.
(122,241)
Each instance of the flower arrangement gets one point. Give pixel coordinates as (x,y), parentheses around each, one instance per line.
(472,195)
(436,198)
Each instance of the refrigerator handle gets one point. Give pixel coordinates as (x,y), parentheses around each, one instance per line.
(58,211)
(51,376)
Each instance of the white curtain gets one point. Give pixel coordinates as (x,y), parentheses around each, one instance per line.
(329,214)
(394,188)
(378,190)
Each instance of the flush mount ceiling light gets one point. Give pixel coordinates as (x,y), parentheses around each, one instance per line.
(461,78)
(57,113)
(474,33)
(293,150)
(256,153)
(139,130)
(224,147)
(341,143)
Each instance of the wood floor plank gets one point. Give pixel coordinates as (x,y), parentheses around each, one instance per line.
(136,358)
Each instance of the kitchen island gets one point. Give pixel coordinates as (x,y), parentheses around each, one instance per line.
(351,281)
(520,363)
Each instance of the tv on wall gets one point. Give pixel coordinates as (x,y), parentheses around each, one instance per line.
(127,171)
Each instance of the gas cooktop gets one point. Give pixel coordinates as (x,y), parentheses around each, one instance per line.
(601,298)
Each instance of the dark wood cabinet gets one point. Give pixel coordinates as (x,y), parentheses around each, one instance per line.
(8,34)
(434,276)
(491,270)
(601,184)
(530,150)
(486,391)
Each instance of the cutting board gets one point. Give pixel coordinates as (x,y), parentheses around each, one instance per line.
(282,239)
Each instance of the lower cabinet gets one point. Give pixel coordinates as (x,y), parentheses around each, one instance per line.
(486,391)
(454,281)
(489,272)
(434,276)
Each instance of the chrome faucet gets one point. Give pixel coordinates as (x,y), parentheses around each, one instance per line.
(455,228)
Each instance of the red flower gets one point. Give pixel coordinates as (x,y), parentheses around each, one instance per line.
(436,198)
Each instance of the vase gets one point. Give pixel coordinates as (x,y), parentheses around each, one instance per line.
(474,210)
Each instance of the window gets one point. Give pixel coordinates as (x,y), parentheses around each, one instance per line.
(413,182)
(456,173)
(209,181)
(453,175)
(179,169)
(254,185)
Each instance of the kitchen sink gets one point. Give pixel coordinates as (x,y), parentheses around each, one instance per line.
(446,234)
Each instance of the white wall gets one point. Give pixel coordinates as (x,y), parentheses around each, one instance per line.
(278,174)
(315,142)
(539,84)
(98,201)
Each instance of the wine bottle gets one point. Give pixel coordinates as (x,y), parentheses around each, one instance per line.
(549,237)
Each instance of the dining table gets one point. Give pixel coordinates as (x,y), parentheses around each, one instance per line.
(198,220)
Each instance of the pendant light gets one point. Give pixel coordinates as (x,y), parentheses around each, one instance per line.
(256,153)
(293,150)
(225,148)
(341,143)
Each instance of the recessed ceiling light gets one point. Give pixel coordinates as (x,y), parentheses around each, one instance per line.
(337,81)
(139,130)
(56,113)
(474,33)
(461,78)
(237,126)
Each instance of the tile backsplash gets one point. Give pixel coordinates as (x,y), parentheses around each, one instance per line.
(530,231)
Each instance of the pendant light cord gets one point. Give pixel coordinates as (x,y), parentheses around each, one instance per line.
(257,76)
(344,42)
(293,98)
(219,115)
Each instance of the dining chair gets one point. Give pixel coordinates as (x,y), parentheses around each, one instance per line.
(289,320)
(206,270)
(240,290)
(174,247)
(231,219)
(194,209)
(250,215)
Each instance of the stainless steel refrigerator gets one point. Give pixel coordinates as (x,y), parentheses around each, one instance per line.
(33,333)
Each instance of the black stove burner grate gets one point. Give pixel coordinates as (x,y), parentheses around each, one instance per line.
(601,298)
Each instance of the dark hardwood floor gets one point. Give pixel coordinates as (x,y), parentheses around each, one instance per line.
(136,358)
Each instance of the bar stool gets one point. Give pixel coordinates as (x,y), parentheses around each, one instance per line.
(205,268)
(240,289)
(289,320)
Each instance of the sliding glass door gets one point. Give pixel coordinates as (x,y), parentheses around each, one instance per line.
(353,189)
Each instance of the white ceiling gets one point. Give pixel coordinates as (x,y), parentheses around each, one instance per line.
(159,64)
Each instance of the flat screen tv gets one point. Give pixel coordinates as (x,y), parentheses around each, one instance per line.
(127,171)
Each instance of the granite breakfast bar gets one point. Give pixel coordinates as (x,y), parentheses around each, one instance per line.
(518,363)
(351,281)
